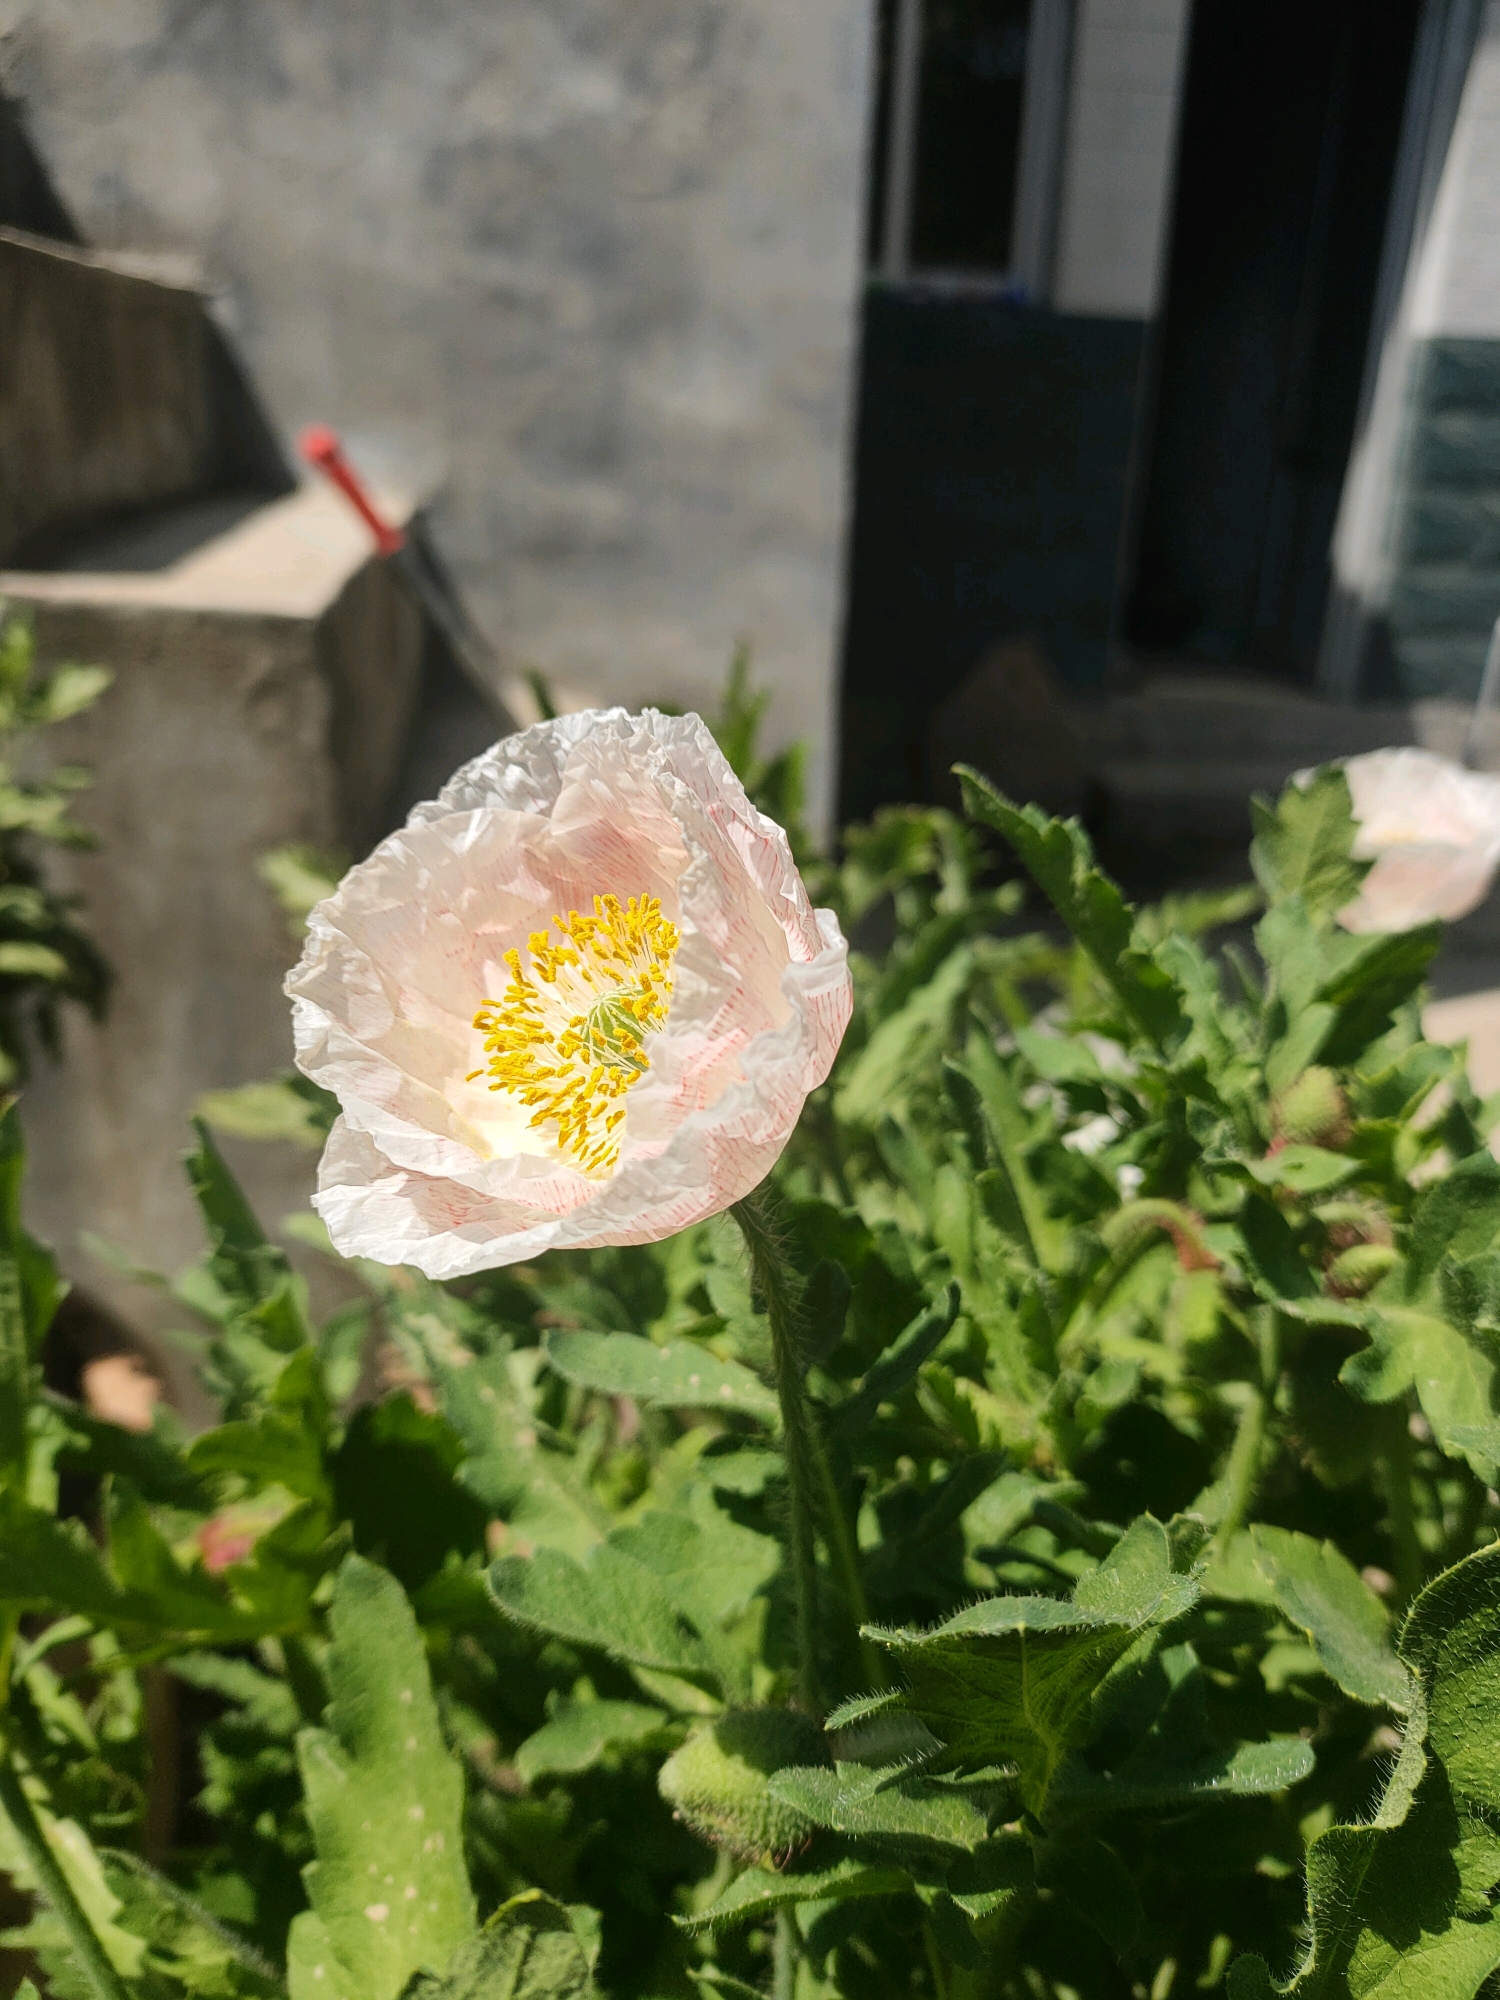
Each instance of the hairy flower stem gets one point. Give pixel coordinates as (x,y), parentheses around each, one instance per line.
(1243,1468)
(55,1887)
(1242,1474)
(778,1286)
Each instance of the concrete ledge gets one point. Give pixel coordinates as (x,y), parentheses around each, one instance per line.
(285,559)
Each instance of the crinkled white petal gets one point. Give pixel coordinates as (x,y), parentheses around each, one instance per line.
(426,1169)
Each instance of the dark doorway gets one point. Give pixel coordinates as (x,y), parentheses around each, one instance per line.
(994,432)
(1290,124)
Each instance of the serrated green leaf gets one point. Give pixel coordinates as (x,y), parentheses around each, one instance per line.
(1154,1781)
(583,1733)
(15,1379)
(538,1492)
(759,1892)
(80,1862)
(892,1805)
(157,1590)
(1320,1591)
(314,1970)
(384,1798)
(1009,1681)
(680,1375)
(1008,1129)
(1137,1584)
(1060,859)
(280,1446)
(1403,1908)
(898,1367)
(46,1563)
(20,958)
(711,1565)
(860,1707)
(1454,1378)
(276,1110)
(68,690)
(983,1882)
(267,1702)
(611,1602)
(147,1460)
(1457,1216)
(248,1268)
(529,1950)
(1304,1169)
(905,1044)
(183,1938)
(1303,845)
(1451,1641)
(1382,1907)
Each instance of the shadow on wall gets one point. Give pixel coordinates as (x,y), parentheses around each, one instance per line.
(129,432)
(28,199)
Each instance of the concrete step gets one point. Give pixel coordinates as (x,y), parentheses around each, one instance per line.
(1191,717)
(1181,752)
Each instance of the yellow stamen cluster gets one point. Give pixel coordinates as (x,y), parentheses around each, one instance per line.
(568,1037)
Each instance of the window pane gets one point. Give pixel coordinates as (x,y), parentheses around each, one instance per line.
(968,133)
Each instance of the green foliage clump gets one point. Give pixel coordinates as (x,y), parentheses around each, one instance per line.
(45,956)
(1146,1301)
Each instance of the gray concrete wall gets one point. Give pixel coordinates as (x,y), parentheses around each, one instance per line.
(602,260)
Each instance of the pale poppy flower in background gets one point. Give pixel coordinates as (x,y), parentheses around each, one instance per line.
(1432,830)
(579,999)
(123,1389)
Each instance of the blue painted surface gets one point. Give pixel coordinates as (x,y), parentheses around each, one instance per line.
(993,446)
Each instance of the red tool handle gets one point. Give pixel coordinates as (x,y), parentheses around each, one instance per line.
(319,445)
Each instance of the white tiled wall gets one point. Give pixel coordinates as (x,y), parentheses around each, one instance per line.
(1117,171)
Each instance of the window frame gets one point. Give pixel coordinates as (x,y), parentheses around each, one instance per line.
(1039,158)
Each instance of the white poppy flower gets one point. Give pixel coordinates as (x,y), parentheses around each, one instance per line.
(579,999)
(1432,830)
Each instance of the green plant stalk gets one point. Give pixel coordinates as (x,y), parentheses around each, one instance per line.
(935,1965)
(784,1957)
(845,1555)
(10,1625)
(1394,1473)
(1242,1471)
(55,1887)
(1242,1474)
(778,1287)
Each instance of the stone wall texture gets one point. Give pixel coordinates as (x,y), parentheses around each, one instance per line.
(597,263)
